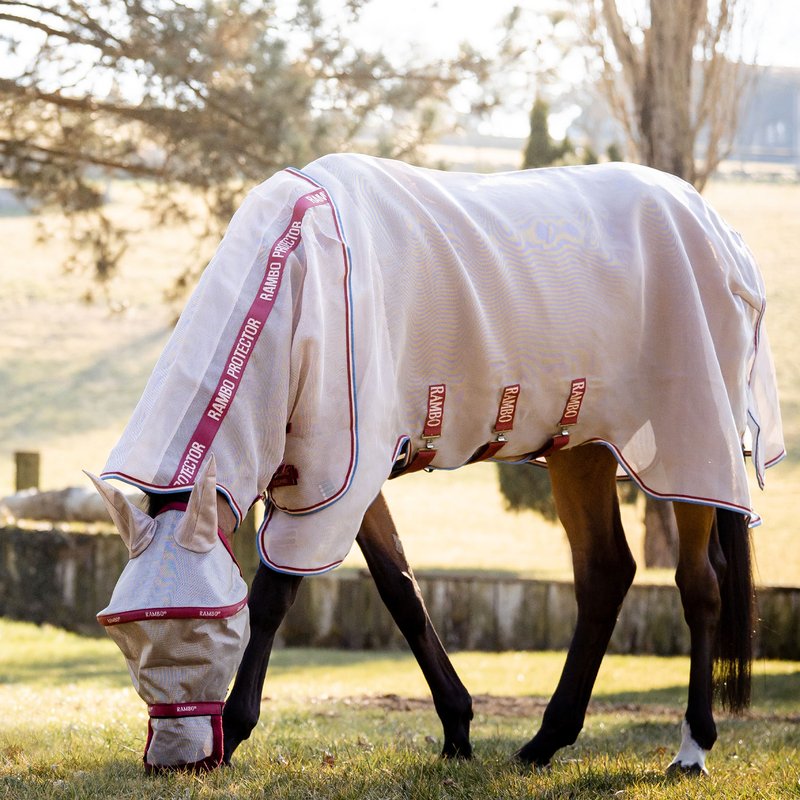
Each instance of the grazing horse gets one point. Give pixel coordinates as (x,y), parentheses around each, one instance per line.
(363,319)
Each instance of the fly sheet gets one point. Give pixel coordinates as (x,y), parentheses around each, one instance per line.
(364,315)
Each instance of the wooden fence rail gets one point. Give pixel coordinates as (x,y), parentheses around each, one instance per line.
(64,578)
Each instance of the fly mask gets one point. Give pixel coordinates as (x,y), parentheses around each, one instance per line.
(179,615)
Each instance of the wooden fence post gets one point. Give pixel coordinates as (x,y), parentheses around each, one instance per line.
(27,470)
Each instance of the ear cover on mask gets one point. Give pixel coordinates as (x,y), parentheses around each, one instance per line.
(135,527)
(197,530)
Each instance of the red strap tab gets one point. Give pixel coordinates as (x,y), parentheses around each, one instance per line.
(556,443)
(486,451)
(507,409)
(185,709)
(175,505)
(419,461)
(285,475)
(433,421)
(573,406)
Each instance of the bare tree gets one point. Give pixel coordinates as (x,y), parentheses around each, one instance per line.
(675,79)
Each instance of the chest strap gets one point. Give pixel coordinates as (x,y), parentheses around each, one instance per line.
(569,417)
(431,431)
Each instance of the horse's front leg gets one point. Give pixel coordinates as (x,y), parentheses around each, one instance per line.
(400,593)
(271,597)
(584,488)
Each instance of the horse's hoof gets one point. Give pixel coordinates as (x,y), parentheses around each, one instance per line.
(677,770)
(528,757)
(530,766)
(461,752)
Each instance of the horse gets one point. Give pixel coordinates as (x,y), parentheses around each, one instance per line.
(363,319)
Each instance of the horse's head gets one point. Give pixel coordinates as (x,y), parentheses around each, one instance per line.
(179,615)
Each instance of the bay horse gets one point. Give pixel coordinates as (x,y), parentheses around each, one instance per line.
(364,319)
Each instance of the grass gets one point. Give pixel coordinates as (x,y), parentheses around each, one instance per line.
(72,727)
(71,374)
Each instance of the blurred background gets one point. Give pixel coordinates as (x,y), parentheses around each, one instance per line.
(131,129)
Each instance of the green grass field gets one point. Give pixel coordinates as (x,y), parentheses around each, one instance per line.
(71,373)
(71,726)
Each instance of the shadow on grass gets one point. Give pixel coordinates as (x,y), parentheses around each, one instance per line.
(56,671)
(52,396)
(770,692)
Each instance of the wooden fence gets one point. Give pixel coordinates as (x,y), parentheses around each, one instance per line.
(64,578)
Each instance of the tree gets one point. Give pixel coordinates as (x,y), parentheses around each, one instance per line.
(212,95)
(675,81)
(674,78)
(527,487)
(541,150)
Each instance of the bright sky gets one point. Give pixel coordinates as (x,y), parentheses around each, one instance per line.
(436,26)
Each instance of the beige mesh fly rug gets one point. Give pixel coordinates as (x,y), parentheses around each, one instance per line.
(364,318)
(364,315)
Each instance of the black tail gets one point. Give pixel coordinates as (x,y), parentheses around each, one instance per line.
(734,646)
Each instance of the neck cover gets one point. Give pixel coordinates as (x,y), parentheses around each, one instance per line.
(363,311)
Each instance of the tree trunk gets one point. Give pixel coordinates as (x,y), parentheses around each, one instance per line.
(661,534)
(664,96)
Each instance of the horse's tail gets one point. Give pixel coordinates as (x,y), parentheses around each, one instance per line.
(734,645)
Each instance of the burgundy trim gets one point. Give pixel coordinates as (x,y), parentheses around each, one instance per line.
(772,462)
(158,488)
(262,551)
(147,766)
(178,612)
(170,710)
(249,332)
(298,570)
(348,349)
(755,519)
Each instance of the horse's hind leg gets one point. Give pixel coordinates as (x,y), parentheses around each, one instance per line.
(271,597)
(584,488)
(715,582)
(400,593)
(700,595)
